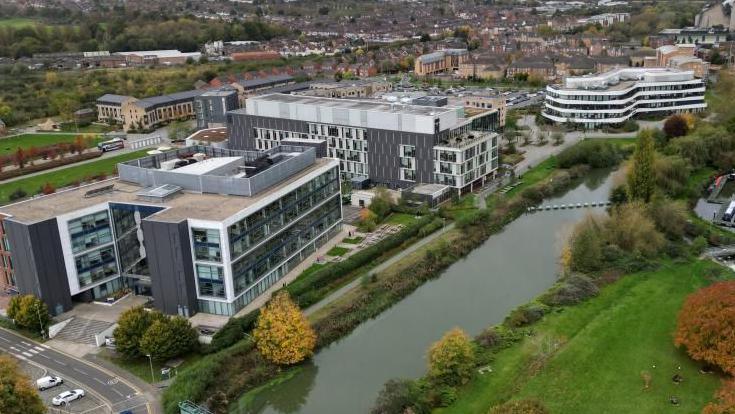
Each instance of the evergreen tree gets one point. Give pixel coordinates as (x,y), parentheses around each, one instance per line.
(641,179)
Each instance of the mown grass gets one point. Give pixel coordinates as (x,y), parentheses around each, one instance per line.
(606,343)
(353,240)
(337,251)
(25,141)
(400,218)
(141,367)
(67,176)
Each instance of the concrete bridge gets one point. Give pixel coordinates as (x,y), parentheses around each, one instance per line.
(549,207)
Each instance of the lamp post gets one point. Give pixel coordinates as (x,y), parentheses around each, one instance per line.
(150,361)
(40,321)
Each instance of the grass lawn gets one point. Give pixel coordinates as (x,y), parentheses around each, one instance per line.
(465,205)
(400,218)
(353,240)
(17,22)
(337,251)
(606,343)
(11,144)
(141,367)
(66,176)
(88,129)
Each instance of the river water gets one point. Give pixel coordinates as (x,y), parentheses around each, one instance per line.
(509,269)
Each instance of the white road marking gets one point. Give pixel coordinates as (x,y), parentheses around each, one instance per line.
(21,357)
(6,340)
(27,354)
(98,380)
(117,392)
(42,355)
(15,349)
(33,351)
(25,343)
(38,348)
(79,371)
(59,362)
(45,346)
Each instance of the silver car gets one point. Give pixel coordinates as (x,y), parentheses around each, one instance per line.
(67,396)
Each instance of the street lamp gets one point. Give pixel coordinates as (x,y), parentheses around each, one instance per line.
(40,321)
(150,360)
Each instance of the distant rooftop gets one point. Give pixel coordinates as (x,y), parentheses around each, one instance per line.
(623,78)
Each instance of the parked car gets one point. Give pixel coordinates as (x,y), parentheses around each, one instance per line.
(109,342)
(48,381)
(67,396)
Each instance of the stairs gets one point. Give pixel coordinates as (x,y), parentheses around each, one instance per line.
(82,330)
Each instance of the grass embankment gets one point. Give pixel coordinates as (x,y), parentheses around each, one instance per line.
(604,346)
(141,367)
(66,176)
(25,141)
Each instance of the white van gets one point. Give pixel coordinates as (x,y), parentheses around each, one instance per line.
(48,382)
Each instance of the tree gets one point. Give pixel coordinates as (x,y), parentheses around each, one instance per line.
(398,396)
(641,180)
(20,158)
(29,312)
(167,338)
(675,126)
(131,326)
(519,407)
(452,359)
(177,130)
(381,203)
(282,333)
(725,397)
(558,138)
(706,325)
(17,396)
(218,403)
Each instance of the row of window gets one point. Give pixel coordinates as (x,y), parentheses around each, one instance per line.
(90,231)
(613,97)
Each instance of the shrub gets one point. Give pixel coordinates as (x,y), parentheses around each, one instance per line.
(398,396)
(526,315)
(497,337)
(233,331)
(633,231)
(586,245)
(706,325)
(675,126)
(168,338)
(451,359)
(699,244)
(519,407)
(572,290)
(595,153)
(672,174)
(17,194)
(669,216)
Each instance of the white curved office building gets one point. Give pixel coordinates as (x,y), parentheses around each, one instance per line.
(614,97)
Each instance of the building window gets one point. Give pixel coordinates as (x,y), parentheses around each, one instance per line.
(207,245)
(90,231)
(211,280)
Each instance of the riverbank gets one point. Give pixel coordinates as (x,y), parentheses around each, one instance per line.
(590,357)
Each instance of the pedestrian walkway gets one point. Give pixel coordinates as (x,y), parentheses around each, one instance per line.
(82,330)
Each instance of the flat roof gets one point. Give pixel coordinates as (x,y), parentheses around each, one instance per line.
(210,135)
(366,105)
(206,166)
(185,205)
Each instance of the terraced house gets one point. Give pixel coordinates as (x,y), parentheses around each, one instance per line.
(613,97)
(200,229)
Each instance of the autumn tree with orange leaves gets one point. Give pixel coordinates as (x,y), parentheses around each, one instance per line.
(706,325)
(282,333)
(725,400)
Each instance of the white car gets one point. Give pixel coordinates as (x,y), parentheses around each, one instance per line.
(48,381)
(67,396)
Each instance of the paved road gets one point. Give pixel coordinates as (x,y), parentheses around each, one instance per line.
(377,269)
(117,393)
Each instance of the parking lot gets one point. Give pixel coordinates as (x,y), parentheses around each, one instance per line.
(89,404)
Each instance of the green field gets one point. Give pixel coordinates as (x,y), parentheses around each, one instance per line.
(400,218)
(605,344)
(338,251)
(16,22)
(10,144)
(66,176)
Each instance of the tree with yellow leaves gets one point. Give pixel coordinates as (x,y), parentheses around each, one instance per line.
(452,359)
(17,396)
(282,333)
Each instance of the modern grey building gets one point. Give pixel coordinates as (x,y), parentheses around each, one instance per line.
(201,229)
(396,145)
(212,106)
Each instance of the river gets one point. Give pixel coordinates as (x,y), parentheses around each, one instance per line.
(509,269)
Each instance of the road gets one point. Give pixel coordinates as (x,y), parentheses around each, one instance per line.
(117,393)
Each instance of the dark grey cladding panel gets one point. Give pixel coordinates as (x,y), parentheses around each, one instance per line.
(241,128)
(384,156)
(39,262)
(169,258)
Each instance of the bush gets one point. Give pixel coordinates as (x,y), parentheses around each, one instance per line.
(168,338)
(675,126)
(633,231)
(497,337)
(725,399)
(670,217)
(131,326)
(595,153)
(699,244)
(706,327)
(586,245)
(519,407)
(525,315)
(573,289)
(233,332)
(398,396)
(17,194)
(671,173)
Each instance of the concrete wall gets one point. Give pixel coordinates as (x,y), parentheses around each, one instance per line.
(39,262)
(170,262)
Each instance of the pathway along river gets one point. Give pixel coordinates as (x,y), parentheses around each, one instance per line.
(509,269)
